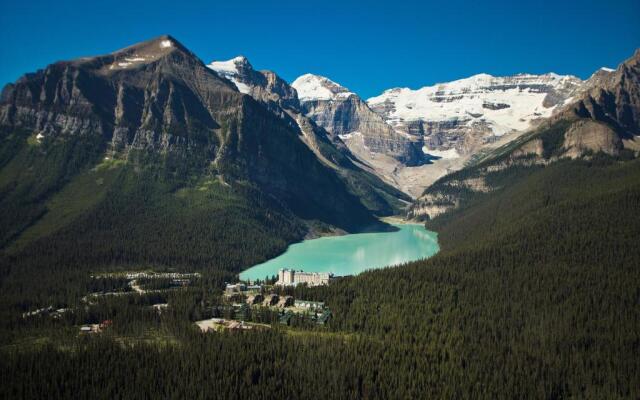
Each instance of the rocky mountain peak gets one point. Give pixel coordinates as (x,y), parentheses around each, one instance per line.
(163,47)
(344,114)
(264,86)
(613,97)
(315,87)
(156,107)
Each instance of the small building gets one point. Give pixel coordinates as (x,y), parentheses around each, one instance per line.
(285,301)
(270,300)
(160,307)
(309,305)
(235,288)
(91,328)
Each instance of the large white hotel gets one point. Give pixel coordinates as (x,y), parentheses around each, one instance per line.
(290,277)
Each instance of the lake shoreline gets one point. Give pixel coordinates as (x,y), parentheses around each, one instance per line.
(352,254)
(398,220)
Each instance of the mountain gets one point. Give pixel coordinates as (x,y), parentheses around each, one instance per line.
(462,115)
(602,118)
(282,99)
(146,155)
(420,135)
(344,114)
(265,86)
(614,98)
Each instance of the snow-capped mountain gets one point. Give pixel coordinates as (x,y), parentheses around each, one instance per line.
(409,137)
(342,112)
(233,70)
(603,117)
(261,85)
(282,100)
(461,116)
(314,87)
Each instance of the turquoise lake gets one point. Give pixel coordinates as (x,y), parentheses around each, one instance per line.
(351,254)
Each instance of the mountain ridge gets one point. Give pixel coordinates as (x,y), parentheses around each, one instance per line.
(165,122)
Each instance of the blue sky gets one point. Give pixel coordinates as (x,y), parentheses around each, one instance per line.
(367,46)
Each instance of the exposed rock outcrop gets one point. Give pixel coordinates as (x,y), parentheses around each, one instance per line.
(157,101)
(590,136)
(343,113)
(282,100)
(614,98)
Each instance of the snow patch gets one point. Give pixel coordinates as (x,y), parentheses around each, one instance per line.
(39,137)
(229,70)
(445,154)
(227,67)
(350,135)
(165,43)
(605,69)
(314,87)
(242,87)
(470,100)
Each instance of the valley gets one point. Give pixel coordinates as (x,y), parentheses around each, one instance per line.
(469,239)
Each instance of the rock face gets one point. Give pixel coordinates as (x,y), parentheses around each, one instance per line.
(265,86)
(341,112)
(282,99)
(590,136)
(136,98)
(466,114)
(614,98)
(158,100)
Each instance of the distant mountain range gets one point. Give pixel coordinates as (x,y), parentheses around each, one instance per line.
(410,138)
(311,155)
(602,117)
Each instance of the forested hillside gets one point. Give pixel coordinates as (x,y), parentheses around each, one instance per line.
(535,295)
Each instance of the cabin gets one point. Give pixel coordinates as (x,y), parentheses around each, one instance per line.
(235,288)
(309,305)
(160,307)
